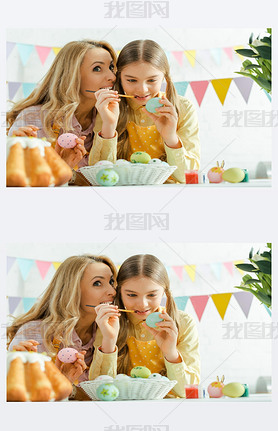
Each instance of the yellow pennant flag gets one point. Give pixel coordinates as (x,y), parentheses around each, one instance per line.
(236,262)
(191,271)
(118,52)
(56,50)
(221,302)
(239,47)
(191,56)
(118,267)
(56,265)
(221,87)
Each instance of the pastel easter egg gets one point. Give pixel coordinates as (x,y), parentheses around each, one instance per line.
(233,390)
(155,376)
(122,162)
(152,104)
(153,318)
(104,378)
(233,175)
(67,140)
(104,164)
(155,162)
(215,174)
(107,392)
(142,372)
(215,389)
(140,157)
(107,177)
(121,377)
(67,355)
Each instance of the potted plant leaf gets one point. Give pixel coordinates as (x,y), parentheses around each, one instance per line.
(259,267)
(260,52)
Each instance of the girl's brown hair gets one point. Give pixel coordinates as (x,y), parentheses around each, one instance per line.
(59,307)
(144,51)
(140,265)
(58,93)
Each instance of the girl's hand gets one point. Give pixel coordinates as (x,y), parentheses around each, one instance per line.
(26,131)
(166,121)
(73,371)
(166,336)
(72,156)
(108,322)
(26,346)
(107,105)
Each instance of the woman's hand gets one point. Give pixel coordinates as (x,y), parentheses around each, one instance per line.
(166,336)
(29,130)
(72,156)
(107,105)
(166,121)
(26,346)
(73,371)
(108,322)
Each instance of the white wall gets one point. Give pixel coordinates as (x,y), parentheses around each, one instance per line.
(242,359)
(250,145)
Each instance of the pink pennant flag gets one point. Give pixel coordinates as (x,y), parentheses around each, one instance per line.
(229,51)
(230,267)
(199,303)
(178,270)
(199,89)
(43,52)
(244,300)
(178,56)
(43,267)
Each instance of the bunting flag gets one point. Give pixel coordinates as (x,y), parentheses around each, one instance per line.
(56,50)
(25,266)
(244,300)
(244,85)
(216,269)
(267,309)
(221,302)
(25,51)
(10,262)
(199,88)
(239,47)
(43,267)
(268,95)
(191,271)
(28,303)
(229,266)
(56,264)
(13,87)
(27,87)
(13,303)
(191,56)
(178,56)
(216,55)
(199,304)
(181,302)
(221,87)
(235,263)
(9,47)
(178,270)
(229,51)
(43,52)
(181,87)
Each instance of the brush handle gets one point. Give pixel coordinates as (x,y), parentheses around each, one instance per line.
(121,95)
(119,309)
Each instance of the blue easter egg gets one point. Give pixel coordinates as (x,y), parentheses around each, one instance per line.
(153,318)
(107,177)
(152,104)
(107,392)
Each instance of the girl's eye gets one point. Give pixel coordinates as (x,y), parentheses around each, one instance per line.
(152,294)
(97,283)
(131,80)
(131,294)
(152,80)
(97,69)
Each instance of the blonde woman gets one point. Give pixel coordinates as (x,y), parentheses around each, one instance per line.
(172,348)
(66,315)
(172,133)
(62,103)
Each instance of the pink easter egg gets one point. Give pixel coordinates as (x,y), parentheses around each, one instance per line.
(67,355)
(215,174)
(215,389)
(67,140)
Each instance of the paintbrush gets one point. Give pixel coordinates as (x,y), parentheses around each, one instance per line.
(119,309)
(121,95)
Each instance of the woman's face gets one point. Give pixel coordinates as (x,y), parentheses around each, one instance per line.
(142,295)
(97,286)
(97,71)
(141,80)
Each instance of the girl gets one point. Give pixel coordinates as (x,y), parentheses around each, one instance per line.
(61,103)
(172,347)
(172,132)
(62,318)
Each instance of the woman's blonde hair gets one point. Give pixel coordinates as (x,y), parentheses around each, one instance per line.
(144,51)
(59,307)
(140,265)
(58,93)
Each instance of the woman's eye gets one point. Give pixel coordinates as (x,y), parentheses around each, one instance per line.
(112,282)
(97,69)
(97,283)
(111,67)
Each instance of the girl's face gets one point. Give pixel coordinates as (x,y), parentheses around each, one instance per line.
(141,80)
(97,286)
(142,295)
(97,71)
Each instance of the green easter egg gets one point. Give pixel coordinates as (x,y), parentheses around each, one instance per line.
(142,372)
(152,104)
(153,318)
(140,157)
(107,177)
(107,392)
(233,175)
(233,390)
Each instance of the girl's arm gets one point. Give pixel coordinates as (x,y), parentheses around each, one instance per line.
(102,148)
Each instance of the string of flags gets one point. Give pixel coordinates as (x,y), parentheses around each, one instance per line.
(183,272)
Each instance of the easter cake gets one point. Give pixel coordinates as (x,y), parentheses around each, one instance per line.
(34,377)
(33,162)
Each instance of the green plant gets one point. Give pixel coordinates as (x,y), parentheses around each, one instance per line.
(260,51)
(260,266)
